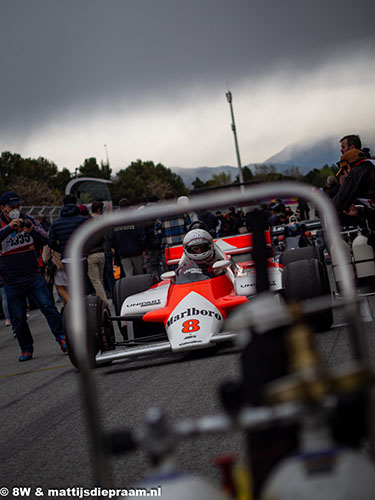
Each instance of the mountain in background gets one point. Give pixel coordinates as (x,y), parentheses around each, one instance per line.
(189,175)
(306,156)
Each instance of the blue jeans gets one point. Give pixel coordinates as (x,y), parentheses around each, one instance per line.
(4,302)
(37,289)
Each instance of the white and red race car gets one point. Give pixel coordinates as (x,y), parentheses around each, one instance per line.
(187,310)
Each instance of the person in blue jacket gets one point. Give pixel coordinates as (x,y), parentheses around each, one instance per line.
(63,227)
(20,238)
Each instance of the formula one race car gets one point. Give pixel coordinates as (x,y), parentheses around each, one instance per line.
(297,234)
(187,309)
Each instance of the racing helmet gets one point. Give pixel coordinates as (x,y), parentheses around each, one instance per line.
(199,246)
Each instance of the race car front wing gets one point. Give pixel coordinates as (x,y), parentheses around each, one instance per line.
(156,348)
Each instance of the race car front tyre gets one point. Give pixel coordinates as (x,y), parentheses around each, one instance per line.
(126,287)
(307,279)
(99,334)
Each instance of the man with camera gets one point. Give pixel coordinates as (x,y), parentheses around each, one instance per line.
(20,237)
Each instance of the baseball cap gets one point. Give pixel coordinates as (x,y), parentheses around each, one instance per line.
(349,159)
(10,198)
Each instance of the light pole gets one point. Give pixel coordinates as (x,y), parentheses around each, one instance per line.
(240,173)
(106,154)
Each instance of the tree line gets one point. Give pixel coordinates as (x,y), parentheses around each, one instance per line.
(40,182)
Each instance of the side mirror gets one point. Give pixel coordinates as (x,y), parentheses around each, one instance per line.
(221,264)
(169,275)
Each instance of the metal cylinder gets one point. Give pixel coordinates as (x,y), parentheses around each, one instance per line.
(337,270)
(363,257)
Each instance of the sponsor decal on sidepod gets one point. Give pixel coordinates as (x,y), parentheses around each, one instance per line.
(152,299)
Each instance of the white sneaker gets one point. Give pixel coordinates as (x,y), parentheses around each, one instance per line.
(7,322)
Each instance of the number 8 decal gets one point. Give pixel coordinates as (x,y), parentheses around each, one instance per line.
(192,325)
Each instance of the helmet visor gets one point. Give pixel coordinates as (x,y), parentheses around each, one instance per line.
(199,248)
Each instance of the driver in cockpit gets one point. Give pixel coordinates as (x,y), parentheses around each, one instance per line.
(200,252)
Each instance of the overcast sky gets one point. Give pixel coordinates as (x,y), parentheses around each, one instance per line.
(147,78)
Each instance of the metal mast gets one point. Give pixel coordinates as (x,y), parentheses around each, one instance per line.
(240,174)
(106,153)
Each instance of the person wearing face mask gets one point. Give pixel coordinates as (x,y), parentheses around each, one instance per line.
(20,237)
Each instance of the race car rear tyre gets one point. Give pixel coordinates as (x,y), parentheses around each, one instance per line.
(130,286)
(312,252)
(307,279)
(99,335)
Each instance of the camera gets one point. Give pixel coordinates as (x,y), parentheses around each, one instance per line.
(26,224)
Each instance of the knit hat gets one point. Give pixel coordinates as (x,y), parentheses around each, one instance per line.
(83,209)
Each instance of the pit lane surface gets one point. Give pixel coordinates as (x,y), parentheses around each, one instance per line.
(43,437)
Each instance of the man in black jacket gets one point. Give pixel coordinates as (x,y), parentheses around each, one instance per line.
(129,243)
(358,187)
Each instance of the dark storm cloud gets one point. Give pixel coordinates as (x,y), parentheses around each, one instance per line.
(61,54)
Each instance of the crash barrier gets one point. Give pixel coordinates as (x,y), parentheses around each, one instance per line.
(51,212)
(77,320)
